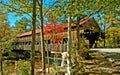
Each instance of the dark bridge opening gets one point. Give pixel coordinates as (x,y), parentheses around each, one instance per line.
(91,36)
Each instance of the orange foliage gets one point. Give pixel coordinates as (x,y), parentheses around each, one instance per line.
(55,47)
(52,29)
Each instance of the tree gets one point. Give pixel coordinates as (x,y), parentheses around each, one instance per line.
(112,35)
(19,7)
(69,45)
(25,7)
(22,25)
(2,17)
(33,37)
(7,36)
(42,37)
(22,9)
(109,17)
(81,9)
(52,29)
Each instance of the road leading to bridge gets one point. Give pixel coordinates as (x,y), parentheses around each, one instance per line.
(115,50)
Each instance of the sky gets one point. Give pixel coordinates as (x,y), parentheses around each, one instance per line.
(12,18)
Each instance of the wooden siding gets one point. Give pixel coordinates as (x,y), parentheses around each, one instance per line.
(61,47)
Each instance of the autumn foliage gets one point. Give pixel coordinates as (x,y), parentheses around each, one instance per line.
(53,29)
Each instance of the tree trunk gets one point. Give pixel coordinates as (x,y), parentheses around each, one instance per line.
(33,37)
(42,39)
(1,68)
(69,46)
(78,32)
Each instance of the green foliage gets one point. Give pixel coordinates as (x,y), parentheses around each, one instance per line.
(22,25)
(53,71)
(6,73)
(19,7)
(7,35)
(7,67)
(112,35)
(83,8)
(79,55)
(22,67)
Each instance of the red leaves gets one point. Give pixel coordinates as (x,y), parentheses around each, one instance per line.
(53,29)
(55,47)
(57,39)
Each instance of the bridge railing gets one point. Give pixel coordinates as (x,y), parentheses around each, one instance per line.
(60,47)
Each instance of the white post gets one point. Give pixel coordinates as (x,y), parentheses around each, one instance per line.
(69,46)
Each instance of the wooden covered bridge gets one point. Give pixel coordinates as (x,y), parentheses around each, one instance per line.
(89,30)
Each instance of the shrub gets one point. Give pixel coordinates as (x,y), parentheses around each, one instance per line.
(22,67)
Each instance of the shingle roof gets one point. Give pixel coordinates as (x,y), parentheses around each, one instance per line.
(82,21)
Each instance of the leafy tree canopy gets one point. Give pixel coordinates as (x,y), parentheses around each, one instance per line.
(6,34)
(22,25)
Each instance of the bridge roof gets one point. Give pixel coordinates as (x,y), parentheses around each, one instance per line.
(82,21)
